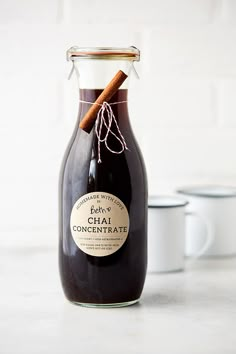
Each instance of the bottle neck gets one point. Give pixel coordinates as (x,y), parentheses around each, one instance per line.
(96,74)
(112,129)
(119,103)
(90,95)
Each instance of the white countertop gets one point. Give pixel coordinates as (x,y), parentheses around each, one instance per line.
(188,312)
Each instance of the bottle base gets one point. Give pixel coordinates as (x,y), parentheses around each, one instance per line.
(111,305)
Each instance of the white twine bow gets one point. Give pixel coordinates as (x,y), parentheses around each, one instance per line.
(105,117)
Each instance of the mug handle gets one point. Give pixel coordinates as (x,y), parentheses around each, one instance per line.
(209,234)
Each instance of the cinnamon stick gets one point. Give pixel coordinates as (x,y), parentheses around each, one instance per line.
(89,119)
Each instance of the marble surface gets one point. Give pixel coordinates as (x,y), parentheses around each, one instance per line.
(187,312)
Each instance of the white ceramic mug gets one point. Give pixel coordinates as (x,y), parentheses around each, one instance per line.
(166,234)
(217,204)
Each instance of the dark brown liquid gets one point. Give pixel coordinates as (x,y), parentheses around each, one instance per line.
(120,276)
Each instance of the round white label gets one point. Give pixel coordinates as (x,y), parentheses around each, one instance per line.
(99,223)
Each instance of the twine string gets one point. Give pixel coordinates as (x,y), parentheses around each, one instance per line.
(105,117)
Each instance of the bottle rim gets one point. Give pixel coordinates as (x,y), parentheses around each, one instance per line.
(108,53)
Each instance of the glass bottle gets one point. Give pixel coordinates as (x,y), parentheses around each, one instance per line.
(103,192)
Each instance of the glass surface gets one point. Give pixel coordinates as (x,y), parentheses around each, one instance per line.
(119,304)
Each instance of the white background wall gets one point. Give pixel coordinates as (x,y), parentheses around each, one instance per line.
(183,109)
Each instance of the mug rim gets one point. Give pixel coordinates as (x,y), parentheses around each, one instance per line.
(166,201)
(208,191)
